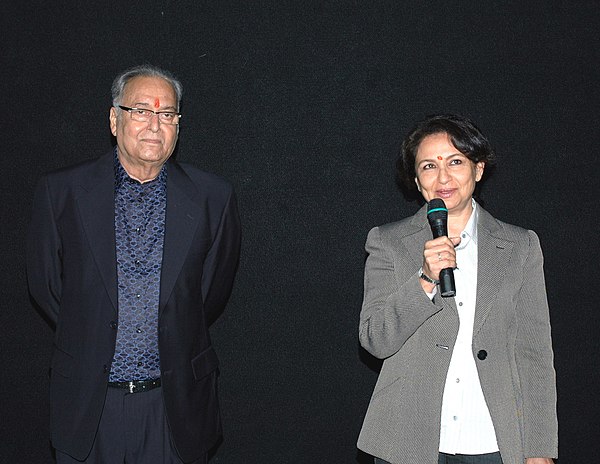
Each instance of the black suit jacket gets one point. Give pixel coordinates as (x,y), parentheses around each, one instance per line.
(71,267)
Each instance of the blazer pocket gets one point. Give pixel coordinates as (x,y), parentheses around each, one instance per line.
(62,363)
(205,363)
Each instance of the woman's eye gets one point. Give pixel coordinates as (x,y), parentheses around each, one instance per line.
(428,166)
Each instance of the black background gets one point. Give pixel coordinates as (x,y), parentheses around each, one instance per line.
(302,106)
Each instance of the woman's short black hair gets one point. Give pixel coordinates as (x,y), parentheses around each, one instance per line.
(463,133)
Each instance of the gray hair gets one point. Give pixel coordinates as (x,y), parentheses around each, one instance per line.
(144,70)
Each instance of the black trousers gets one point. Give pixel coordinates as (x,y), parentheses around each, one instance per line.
(133,430)
(490,458)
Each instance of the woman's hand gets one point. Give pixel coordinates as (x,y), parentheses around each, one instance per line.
(438,254)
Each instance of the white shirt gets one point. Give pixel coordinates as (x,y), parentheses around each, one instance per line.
(466,426)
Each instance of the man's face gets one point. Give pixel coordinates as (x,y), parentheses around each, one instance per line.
(145,144)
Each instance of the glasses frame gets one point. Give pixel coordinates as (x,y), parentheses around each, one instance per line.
(158,113)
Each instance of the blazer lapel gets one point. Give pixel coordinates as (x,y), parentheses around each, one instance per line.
(181,223)
(413,240)
(95,200)
(494,253)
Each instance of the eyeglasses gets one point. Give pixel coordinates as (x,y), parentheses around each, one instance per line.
(144,115)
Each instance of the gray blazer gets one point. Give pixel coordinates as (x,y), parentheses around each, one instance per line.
(511,343)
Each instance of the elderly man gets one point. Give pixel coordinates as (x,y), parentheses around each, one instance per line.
(131,256)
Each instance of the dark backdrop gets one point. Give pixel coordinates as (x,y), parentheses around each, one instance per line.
(302,106)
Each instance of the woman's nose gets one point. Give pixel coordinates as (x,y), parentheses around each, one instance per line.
(443,175)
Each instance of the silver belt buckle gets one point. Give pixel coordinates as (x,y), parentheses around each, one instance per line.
(131,386)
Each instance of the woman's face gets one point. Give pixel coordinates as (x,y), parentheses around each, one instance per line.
(444,172)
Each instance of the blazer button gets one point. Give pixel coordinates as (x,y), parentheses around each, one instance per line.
(113,325)
(482,354)
(105,368)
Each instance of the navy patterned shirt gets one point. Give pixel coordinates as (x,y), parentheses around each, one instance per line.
(139,232)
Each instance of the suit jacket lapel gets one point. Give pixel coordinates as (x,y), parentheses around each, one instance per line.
(95,200)
(494,253)
(421,233)
(181,223)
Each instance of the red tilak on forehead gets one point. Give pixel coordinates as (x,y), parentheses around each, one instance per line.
(440,158)
(156,102)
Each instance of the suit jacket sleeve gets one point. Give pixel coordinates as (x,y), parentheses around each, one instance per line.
(534,359)
(44,254)
(221,262)
(394,303)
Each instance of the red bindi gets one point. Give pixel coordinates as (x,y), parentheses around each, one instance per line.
(156,103)
(440,158)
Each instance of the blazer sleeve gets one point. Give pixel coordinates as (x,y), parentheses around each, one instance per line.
(394,303)
(534,358)
(220,265)
(43,254)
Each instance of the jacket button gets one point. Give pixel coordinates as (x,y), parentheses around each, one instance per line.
(105,368)
(482,354)
(113,325)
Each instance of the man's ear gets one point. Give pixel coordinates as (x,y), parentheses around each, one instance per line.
(112,117)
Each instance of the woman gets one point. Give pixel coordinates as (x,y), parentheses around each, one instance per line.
(468,379)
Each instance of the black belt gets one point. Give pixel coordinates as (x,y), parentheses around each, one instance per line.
(136,386)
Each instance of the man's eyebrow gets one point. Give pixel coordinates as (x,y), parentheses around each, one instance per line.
(145,105)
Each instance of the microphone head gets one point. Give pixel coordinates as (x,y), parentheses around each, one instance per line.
(436,210)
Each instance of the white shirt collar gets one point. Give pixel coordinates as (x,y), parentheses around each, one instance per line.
(470,230)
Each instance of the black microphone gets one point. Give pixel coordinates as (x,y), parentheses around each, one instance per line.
(437,215)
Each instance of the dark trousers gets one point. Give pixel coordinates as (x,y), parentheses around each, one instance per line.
(490,458)
(133,430)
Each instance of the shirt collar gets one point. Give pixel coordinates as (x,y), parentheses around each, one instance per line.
(470,230)
(121,176)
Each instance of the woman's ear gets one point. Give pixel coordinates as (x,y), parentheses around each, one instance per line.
(479,168)
(417,184)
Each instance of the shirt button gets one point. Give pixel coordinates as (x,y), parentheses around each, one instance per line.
(460,303)
(454,417)
(139,331)
(457,380)
(138,295)
(464,235)
(139,363)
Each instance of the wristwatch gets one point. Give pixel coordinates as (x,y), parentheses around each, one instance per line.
(426,278)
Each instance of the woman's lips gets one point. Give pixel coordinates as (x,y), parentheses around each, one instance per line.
(445,193)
